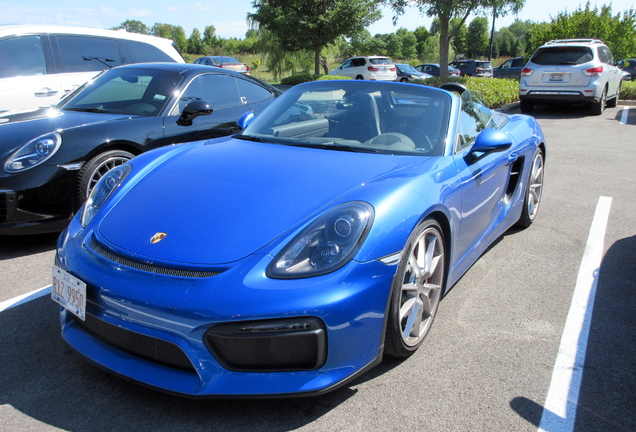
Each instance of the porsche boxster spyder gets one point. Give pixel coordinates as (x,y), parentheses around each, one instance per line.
(289,258)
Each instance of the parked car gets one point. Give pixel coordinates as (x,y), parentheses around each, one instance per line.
(263,264)
(224,62)
(478,68)
(375,68)
(407,73)
(629,67)
(433,69)
(571,71)
(511,68)
(51,159)
(42,63)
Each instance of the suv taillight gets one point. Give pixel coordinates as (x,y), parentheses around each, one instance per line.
(372,69)
(247,68)
(593,72)
(526,72)
(392,69)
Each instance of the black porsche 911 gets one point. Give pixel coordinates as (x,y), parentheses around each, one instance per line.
(51,158)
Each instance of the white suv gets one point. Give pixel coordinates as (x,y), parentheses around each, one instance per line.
(39,64)
(367,67)
(568,71)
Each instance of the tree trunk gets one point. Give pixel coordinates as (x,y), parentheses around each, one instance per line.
(444,42)
(317,61)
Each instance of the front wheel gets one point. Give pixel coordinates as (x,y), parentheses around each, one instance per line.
(533,192)
(94,169)
(417,289)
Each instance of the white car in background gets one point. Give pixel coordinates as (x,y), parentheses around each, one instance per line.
(40,64)
(375,68)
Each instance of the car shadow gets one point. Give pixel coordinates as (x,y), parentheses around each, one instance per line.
(607,397)
(556,111)
(48,382)
(19,246)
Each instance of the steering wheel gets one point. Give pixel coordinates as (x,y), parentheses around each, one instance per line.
(419,137)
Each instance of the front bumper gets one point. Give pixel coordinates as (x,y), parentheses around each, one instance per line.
(349,306)
(37,201)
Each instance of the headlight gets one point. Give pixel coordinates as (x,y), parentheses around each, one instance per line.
(34,153)
(102,190)
(326,244)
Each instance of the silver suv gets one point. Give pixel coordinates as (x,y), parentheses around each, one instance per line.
(569,71)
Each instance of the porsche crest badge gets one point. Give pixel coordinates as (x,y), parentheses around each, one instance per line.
(158,237)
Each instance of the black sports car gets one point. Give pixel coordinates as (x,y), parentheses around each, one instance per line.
(51,158)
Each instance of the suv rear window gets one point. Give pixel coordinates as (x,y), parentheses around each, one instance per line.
(567,55)
(482,64)
(384,61)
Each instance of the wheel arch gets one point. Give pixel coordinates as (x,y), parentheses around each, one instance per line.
(123,145)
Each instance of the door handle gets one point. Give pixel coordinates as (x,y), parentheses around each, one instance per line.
(44,92)
(512,157)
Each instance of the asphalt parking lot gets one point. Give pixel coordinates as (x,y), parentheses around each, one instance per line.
(488,364)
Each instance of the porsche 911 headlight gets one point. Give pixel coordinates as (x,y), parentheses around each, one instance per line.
(33,153)
(326,244)
(102,190)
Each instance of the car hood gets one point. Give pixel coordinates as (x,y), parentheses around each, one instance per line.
(22,128)
(223,200)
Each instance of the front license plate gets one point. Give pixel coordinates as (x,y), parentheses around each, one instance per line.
(556,77)
(69,291)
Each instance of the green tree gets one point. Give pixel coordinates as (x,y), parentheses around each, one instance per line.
(311,24)
(461,34)
(209,38)
(161,30)
(617,31)
(446,10)
(195,44)
(133,26)
(477,38)
(408,43)
(177,34)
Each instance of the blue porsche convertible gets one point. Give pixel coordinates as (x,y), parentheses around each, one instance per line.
(288,259)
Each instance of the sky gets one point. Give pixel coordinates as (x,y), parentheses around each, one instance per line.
(228,16)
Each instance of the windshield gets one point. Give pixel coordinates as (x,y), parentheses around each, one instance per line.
(407,68)
(126,91)
(378,117)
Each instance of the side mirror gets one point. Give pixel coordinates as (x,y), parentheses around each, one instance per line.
(245,119)
(620,63)
(491,140)
(193,110)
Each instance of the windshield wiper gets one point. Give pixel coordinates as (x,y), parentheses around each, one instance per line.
(101,60)
(254,138)
(333,146)
(93,110)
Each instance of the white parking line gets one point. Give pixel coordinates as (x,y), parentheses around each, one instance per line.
(16,301)
(624,115)
(559,412)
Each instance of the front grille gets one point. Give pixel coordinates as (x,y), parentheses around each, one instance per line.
(270,350)
(8,205)
(99,249)
(147,347)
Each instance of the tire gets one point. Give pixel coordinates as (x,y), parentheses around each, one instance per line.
(611,103)
(417,289)
(533,192)
(404,80)
(359,77)
(526,106)
(95,169)
(597,108)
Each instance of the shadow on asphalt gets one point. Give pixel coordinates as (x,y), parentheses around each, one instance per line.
(606,401)
(48,382)
(19,246)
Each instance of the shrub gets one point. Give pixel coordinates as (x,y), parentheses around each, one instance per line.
(628,90)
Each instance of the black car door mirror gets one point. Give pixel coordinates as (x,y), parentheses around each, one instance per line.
(193,110)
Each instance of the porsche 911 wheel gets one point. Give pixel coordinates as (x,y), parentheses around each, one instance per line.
(417,290)
(534,190)
(95,169)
